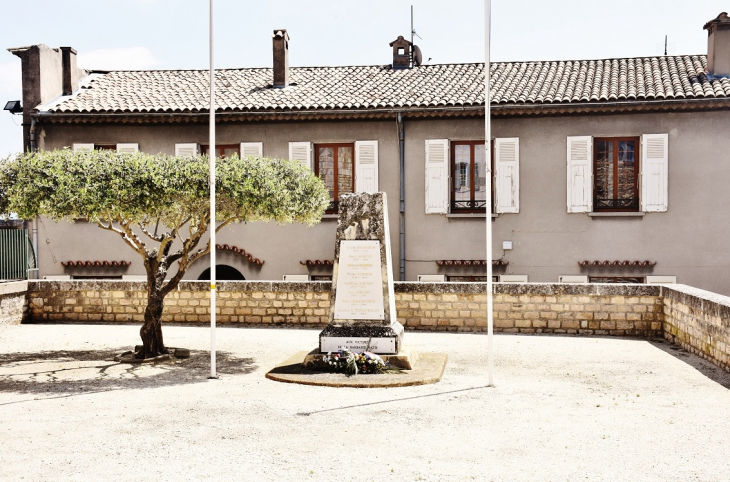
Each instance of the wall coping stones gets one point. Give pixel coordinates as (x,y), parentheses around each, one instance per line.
(595,289)
(13,287)
(706,301)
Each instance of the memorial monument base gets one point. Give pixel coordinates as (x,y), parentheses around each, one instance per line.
(405,360)
(357,337)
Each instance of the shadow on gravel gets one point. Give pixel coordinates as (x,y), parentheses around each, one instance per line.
(708,369)
(76,372)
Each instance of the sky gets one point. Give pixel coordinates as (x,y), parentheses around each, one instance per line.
(173,34)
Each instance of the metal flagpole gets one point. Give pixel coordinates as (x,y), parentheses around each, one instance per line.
(488,159)
(211,161)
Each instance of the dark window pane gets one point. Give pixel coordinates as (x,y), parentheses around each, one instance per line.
(626,171)
(344,170)
(462,182)
(327,169)
(480,173)
(604,171)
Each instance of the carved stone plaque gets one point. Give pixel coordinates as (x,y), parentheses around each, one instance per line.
(360,283)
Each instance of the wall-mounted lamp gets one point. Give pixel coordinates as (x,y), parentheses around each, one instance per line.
(14,107)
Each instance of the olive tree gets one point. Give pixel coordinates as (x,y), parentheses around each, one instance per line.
(159,205)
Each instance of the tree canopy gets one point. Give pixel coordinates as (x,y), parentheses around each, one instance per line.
(130,193)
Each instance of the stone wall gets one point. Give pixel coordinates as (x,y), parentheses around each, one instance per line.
(699,322)
(596,309)
(13,302)
(623,310)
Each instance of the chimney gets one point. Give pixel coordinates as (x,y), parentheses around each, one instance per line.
(718,45)
(71,73)
(401,53)
(281,58)
(42,69)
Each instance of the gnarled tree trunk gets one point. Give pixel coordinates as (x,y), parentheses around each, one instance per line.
(151,331)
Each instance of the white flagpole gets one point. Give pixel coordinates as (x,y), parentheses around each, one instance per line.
(211,161)
(488,158)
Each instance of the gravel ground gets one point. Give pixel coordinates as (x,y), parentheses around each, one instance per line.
(563,409)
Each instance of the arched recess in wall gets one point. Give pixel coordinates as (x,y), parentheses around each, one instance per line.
(223,272)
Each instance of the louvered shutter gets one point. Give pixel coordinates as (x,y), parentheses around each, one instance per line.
(366,166)
(186,150)
(580,174)
(128,148)
(83,147)
(252,149)
(507,165)
(654,172)
(302,152)
(437,176)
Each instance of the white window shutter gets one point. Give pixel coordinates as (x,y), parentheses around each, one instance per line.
(186,150)
(654,172)
(507,165)
(580,174)
(128,148)
(366,166)
(252,149)
(437,176)
(83,147)
(302,152)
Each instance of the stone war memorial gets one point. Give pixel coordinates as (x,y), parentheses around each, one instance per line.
(362,312)
(362,315)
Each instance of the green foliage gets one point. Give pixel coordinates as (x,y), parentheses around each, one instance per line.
(105,185)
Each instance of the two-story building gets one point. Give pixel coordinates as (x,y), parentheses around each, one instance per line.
(608,170)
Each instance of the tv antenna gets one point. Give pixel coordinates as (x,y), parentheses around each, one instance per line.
(416,56)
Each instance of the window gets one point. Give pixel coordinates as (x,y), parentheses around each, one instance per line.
(222,151)
(471,279)
(335,165)
(468,174)
(129,148)
(618,173)
(321,277)
(456,176)
(616,279)
(616,178)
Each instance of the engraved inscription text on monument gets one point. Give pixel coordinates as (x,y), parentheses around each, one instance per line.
(360,282)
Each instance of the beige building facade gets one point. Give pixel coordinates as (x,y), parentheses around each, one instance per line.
(608,170)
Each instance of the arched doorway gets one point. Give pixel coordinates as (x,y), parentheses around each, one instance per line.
(222,273)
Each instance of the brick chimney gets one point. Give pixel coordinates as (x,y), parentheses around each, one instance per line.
(281,58)
(718,45)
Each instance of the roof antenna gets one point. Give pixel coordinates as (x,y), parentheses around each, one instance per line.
(415,52)
(665,45)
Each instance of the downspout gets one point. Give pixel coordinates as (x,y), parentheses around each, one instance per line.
(402,145)
(33,127)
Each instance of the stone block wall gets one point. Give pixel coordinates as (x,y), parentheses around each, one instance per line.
(247,302)
(621,310)
(595,309)
(699,322)
(13,303)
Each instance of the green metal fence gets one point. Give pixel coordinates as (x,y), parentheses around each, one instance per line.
(16,254)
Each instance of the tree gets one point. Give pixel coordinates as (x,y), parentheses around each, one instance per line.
(159,205)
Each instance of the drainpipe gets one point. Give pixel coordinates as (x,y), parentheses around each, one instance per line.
(32,134)
(402,145)
(33,127)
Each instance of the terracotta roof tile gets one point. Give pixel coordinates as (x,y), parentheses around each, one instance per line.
(373,87)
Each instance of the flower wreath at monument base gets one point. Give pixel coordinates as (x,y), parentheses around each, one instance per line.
(345,361)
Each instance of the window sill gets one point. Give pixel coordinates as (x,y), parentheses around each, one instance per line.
(617,215)
(471,215)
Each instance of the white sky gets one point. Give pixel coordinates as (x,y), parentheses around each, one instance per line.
(173,34)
